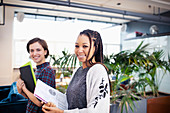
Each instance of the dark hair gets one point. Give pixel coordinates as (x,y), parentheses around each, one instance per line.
(98,53)
(41,42)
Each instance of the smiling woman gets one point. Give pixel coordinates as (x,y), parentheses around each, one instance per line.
(59,34)
(38,50)
(89,88)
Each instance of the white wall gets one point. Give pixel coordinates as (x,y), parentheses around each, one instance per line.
(164,87)
(6,32)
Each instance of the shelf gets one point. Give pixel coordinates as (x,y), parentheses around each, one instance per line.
(149,36)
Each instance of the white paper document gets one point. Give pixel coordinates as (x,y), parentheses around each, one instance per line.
(46,94)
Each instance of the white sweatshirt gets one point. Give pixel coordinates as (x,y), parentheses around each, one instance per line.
(98,91)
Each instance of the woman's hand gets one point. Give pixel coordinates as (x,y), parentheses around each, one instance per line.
(50,104)
(24,87)
(20,84)
(51,108)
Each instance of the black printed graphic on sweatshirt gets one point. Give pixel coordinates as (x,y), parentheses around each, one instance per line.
(103,91)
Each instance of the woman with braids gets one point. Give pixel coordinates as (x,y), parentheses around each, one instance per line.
(38,50)
(89,89)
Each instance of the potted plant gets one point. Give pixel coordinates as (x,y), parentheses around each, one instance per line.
(138,63)
(123,70)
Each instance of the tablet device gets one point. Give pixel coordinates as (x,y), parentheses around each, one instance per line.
(27,75)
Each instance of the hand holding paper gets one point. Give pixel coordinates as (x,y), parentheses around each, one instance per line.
(46,94)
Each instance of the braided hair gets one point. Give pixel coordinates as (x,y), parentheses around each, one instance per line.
(98,53)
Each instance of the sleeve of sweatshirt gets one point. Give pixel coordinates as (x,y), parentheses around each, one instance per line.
(98,91)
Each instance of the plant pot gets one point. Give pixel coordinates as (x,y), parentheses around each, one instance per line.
(114,108)
(158,105)
(141,107)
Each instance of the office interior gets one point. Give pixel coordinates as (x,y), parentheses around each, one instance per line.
(132,15)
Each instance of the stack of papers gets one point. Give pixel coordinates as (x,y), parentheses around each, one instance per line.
(47,93)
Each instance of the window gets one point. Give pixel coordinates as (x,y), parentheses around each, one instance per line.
(60,34)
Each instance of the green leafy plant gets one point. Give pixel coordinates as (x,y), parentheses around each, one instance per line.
(65,63)
(149,77)
(138,63)
(122,70)
(62,88)
(119,66)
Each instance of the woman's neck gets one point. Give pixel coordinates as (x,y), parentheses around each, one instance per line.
(40,63)
(85,65)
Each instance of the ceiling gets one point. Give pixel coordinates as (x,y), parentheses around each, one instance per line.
(112,11)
